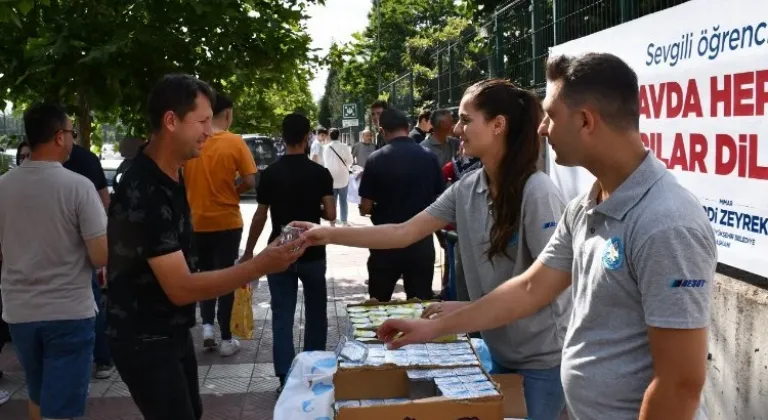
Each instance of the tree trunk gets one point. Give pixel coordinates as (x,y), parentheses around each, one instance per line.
(84,120)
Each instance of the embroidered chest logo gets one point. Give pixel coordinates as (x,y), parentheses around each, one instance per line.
(613,254)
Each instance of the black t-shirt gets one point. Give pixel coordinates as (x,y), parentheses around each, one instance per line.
(87,164)
(293,188)
(149,217)
(402,179)
(418,135)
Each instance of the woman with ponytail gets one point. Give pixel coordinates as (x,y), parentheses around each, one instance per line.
(504,214)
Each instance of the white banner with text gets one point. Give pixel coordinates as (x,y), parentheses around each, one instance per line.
(703,71)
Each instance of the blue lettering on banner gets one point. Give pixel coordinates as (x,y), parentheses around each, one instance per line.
(710,44)
(738,220)
(680,283)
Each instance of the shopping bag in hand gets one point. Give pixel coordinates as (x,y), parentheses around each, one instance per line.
(242,313)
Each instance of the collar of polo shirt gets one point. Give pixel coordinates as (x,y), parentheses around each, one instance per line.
(629,192)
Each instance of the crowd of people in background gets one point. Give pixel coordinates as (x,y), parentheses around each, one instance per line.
(574,297)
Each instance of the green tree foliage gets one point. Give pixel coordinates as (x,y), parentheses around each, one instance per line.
(334,96)
(381,52)
(449,45)
(103,56)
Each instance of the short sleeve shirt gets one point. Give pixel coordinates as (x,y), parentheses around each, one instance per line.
(535,342)
(402,179)
(148,217)
(644,257)
(47,213)
(316,150)
(444,151)
(293,188)
(361,151)
(210,182)
(87,164)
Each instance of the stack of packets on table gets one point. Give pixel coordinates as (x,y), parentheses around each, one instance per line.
(366,318)
(447,369)
(451,354)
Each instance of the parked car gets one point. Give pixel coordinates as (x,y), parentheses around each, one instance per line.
(265,150)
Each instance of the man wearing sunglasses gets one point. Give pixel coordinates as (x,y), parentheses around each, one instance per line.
(47,298)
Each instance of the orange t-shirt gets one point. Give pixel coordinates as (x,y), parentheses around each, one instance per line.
(210,182)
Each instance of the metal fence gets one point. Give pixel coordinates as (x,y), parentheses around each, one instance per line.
(512,44)
(10,125)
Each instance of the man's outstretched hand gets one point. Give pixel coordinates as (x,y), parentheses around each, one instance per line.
(401,332)
(276,258)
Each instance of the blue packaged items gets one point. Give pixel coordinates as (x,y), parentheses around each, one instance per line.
(468,371)
(480,386)
(473,378)
(449,380)
(351,403)
(441,373)
(419,374)
(392,401)
(371,403)
(451,390)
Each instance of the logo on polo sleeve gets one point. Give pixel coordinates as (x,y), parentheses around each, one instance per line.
(613,253)
(683,283)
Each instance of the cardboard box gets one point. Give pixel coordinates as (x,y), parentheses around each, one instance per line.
(390,383)
(511,386)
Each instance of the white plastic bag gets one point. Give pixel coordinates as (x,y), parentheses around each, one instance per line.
(308,392)
(352,189)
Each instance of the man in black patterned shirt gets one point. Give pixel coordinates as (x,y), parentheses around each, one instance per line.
(153,284)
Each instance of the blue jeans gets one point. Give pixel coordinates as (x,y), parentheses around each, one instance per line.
(56,357)
(283,288)
(340,195)
(101,355)
(543,389)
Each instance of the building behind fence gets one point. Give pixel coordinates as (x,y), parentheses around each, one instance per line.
(512,44)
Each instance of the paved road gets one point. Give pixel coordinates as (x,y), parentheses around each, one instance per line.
(238,387)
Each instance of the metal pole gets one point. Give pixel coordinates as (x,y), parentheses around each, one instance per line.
(410,88)
(439,76)
(629,9)
(378,37)
(558,16)
(537,41)
(498,47)
(450,75)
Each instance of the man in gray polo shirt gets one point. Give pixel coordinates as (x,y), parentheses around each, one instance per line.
(440,142)
(637,249)
(53,234)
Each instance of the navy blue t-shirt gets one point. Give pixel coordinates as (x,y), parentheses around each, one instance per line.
(402,179)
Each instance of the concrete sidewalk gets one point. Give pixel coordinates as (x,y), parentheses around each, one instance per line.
(238,387)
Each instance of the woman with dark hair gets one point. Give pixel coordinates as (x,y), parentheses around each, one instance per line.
(22,152)
(504,215)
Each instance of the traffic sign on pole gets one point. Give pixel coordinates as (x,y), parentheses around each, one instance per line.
(349,111)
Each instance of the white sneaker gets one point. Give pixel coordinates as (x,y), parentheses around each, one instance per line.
(229,347)
(4,397)
(208,341)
